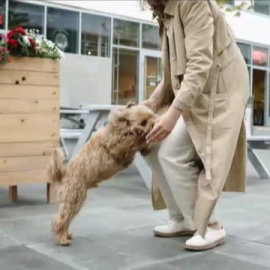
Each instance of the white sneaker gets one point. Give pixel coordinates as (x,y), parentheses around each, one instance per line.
(172,229)
(212,239)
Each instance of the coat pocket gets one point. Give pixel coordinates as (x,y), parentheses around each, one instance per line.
(229,73)
(221,119)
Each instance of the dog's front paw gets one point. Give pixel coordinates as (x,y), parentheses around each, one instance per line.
(64,242)
(70,236)
(63,239)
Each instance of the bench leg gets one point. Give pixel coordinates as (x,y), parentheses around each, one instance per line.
(91,122)
(144,169)
(257,164)
(51,193)
(13,193)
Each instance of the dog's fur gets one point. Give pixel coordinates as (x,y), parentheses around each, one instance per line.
(111,149)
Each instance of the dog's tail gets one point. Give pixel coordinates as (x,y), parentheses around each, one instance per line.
(56,168)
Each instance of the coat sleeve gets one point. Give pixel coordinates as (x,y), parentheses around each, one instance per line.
(197,20)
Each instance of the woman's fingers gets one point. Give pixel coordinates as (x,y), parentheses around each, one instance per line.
(156,136)
(161,136)
(153,133)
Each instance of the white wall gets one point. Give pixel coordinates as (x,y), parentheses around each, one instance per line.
(85,79)
(251,27)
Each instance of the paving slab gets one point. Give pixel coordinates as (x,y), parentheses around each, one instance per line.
(210,260)
(114,231)
(23,258)
(248,251)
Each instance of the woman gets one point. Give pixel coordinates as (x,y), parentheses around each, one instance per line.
(204,90)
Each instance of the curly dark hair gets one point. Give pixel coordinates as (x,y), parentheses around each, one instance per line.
(157,6)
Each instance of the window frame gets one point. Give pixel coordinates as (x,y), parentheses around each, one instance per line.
(109,33)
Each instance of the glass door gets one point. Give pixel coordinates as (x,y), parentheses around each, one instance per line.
(259,97)
(125,63)
(150,73)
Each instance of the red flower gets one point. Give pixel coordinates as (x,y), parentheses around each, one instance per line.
(33,43)
(20,30)
(13,43)
(16,32)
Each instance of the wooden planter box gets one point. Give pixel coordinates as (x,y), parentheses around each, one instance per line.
(29,121)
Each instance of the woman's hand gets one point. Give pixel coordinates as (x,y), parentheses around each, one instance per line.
(164,126)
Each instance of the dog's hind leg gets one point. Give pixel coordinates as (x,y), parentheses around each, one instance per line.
(71,203)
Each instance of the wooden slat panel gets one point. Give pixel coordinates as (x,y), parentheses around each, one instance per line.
(29,134)
(19,178)
(8,106)
(28,120)
(24,163)
(27,149)
(15,77)
(29,92)
(32,64)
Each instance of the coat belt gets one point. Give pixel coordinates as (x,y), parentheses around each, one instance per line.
(209,134)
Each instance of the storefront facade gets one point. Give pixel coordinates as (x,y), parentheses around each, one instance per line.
(114,57)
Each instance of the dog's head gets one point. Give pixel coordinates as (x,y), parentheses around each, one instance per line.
(134,121)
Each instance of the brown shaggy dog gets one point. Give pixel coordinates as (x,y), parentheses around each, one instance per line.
(111,149)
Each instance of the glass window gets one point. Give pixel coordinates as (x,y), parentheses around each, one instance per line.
(262,6)
(150,37)
(269,57)
(96,33)
(225,2)
(126,33)
(63,29)
(26,15)
(2,13)
(260,56)
(259,88)
(246,51)
(125,76)
(269,94)
(152,75)
(249,74)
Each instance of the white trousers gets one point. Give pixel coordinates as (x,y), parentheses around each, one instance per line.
(174,162)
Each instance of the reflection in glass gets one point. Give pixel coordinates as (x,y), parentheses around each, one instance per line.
(63,29)
(262,6)
(2,13)
(246,51)
(150,37)
(96,32)
(125,66)
(260,56)
(126,33)
(269,93)
(249,76)
(259,87)
(26,15)
(225,2)
(152,75)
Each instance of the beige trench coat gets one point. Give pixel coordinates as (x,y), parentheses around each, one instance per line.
(206,76)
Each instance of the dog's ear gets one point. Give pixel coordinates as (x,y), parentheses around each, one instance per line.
(119,115)
(130,104)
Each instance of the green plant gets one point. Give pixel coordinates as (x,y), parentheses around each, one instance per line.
(236,9)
